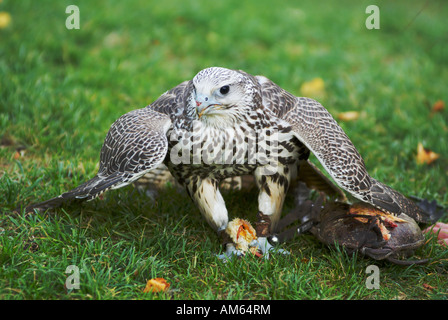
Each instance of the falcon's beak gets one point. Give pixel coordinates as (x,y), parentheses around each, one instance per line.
(204,104)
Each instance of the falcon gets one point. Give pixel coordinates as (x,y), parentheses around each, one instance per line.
(226,123)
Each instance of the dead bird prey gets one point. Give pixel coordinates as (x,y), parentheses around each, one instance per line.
(357,227)
(226,123)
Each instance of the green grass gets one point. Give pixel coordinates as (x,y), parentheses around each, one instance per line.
(61,89)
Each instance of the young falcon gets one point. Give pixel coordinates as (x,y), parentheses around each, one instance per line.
(206,129)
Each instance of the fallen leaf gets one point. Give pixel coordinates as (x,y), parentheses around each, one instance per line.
(438,106)
(348,116)
(428,287)
(313,88)
(156,285)
(5,19)
(425,156)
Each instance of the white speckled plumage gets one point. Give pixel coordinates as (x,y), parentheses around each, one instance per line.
(219,106)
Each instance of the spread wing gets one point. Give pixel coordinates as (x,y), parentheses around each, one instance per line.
(135,144)
(314,126)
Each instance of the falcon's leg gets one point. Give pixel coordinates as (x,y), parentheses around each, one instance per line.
(205,193)
(273,190)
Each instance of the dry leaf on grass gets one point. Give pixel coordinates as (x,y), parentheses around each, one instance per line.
(313,88)
(5,19)
(428,287)
(156,285)
(438,106)
(348,116)
(425,156)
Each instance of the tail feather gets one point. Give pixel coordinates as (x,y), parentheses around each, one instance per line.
(84,192)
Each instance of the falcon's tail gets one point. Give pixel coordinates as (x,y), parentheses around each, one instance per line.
(84,192)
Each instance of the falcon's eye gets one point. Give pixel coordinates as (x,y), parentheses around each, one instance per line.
(224,90)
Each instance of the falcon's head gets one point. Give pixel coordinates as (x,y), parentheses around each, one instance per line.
(222,97)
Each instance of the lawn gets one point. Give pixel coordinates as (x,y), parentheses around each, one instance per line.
(62,88)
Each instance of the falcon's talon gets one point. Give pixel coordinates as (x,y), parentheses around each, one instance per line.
(254,243)
(266,248)
(231,252)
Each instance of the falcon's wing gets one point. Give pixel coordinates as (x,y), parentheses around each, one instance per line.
(135,144)
(314,126)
